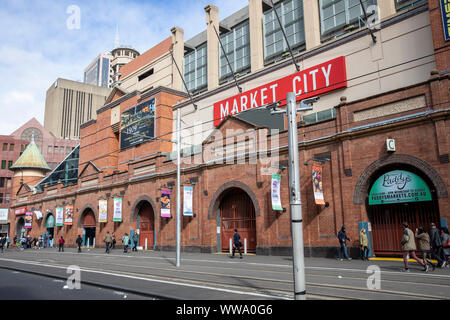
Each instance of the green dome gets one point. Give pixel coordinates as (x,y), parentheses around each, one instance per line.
(31,158)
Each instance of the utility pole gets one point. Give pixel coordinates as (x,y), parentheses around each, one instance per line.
(178,214)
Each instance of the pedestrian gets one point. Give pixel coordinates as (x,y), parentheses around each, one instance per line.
(61,242)
(424,245)
(342,236)
(50,241)
(237,243)
(45,240)
(8,242)
(445,238)
(409,247)
(126,242)
(113,241)
(436,245)
(79,242)
(135,241)
(2,242)
(108,241)
(364,243)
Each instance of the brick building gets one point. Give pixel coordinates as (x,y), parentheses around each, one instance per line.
(378,136)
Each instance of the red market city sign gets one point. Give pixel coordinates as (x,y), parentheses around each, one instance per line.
(308,83)
(21,211)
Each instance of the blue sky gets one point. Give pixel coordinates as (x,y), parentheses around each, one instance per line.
(37,47)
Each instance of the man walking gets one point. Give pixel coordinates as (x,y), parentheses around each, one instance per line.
(108,240)
(79,242)
(237,243)
(342,236)
(436,245)
(126,242)
(135,241)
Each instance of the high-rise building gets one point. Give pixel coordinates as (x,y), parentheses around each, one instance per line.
(100,72)
(70,103)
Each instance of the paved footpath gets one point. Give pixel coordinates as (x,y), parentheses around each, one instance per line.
(153,274)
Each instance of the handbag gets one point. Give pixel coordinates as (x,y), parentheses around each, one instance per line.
(447,244)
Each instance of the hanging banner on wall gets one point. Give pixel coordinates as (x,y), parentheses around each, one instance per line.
(59,217)
(187,201)
(103,211)
(117,216)
(28,220)
(68,217)
(317,184)
(445,10)
(399,186)
(50,222)
(165,203)
(21,211)
(276,193)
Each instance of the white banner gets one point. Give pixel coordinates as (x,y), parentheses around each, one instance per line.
(117,210)
(103,211)
(3,214)
(275,190)
(59,219)
(187,201)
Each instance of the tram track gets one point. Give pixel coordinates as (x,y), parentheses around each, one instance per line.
(341,292)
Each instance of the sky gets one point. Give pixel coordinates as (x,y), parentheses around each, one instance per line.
(42,40)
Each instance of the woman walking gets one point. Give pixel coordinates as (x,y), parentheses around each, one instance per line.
(364,243)
(424,245)
(409,247)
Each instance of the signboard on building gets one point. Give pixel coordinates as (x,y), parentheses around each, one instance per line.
(399,186)
(276,192)
(445,11)
(187,201)
(59,217)
(28,220)
(165,203)
(103,211)
(137,124)
(20,211)
(323,78)
(68,219)
(317,184)
(117,215)
(3,215)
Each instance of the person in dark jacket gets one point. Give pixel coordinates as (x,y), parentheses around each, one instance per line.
(61,242)
(237,243)
(436,245)
(342,236)
(79,242)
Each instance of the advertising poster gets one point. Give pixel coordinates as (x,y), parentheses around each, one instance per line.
(28,220)
(445,11)
(165,203)
(117,217)
(187,201)
(59,217)
(68,219)
(137,124)
(276,194)
(399,186)
(3,214)
(21,211)
(317,184)
(103,211)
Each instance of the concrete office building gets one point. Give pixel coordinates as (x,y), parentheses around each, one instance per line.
(70,103)
(383,115)
(100,72)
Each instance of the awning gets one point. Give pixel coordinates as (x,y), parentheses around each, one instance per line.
(38,215)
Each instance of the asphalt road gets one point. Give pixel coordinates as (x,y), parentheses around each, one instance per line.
(217,277)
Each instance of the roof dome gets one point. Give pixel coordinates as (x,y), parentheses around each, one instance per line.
(31,158)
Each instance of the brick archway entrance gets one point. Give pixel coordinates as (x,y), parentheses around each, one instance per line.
(146,224)
(236,211)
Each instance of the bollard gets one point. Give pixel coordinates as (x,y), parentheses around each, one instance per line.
(145,243)
(93,243)
(231,246)
(88,242)
(245,245)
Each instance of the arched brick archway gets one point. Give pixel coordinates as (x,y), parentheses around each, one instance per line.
(137,203)
(363,183)
(219,194)
(143,213)
(83,211)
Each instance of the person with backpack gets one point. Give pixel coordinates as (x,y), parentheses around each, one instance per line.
(409,247)
(237,243)
(79,242)
(342,236)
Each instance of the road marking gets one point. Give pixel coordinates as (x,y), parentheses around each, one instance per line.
(150,280)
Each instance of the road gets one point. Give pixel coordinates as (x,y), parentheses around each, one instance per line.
(153,275)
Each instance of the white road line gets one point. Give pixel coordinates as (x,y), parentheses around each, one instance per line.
(150,280)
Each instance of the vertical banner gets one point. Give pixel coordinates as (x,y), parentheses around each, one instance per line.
(28,220)
(317,184)
(187,201)
(117,217)
(59,217)
(445,11)
(102,211)
(68,215)
(276,194)
(165,203)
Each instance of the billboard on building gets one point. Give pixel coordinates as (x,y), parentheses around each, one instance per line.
(317,184)
(137,124)
(103,211)
(445,10)
(165,203)
(117,215)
